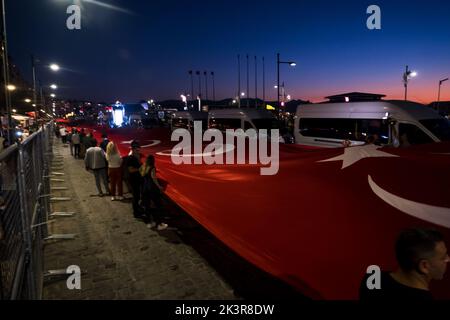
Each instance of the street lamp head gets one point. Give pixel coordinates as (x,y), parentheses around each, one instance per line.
(11,87)
(292,64)
(243,94)
(54,67)
(413,74)
(53,95)
(443,80)
(27,100)
(54,86)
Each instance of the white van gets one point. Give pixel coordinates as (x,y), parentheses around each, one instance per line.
(185,119)
(223,119)
(398,123)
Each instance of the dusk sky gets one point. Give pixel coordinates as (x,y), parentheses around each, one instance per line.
(147,50)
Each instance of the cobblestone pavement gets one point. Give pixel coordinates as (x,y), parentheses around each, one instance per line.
(122,259)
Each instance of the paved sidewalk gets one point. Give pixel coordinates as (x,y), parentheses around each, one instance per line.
(120,256)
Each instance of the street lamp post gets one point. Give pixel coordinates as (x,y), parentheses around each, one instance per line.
(439,92)
(292,64)
(239,81)
(248,83)
(264,83)
(214,86)
(54,67)
(4,47)
(256,82)
(206,83)
(199,83)
(192,83)
(408,75)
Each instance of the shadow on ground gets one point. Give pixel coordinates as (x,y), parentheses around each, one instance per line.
(248,281)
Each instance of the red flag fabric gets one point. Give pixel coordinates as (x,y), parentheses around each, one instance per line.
(324,218)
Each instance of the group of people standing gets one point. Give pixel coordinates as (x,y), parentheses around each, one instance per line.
(145,187)
(111,170)
(79,142)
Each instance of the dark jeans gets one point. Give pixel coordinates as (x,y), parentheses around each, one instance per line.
(152,214)
(136,191)
(100,176)
(76,150)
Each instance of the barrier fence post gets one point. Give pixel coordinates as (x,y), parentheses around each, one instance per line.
(26,227)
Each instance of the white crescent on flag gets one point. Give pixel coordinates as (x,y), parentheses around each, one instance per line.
(152,144)
(221,149)
(433,214)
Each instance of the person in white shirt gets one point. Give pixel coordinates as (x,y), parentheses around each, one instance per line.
(114,171)
(63,133)
(95,161)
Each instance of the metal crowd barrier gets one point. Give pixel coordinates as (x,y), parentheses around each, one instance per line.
(24,213)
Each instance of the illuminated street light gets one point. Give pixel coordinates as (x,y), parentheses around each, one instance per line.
(54,67)
(14,110)
(11,87)
(54,86)
(53,95)
(185,100)
(27,100)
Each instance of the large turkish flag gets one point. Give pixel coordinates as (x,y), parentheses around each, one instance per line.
(324,218)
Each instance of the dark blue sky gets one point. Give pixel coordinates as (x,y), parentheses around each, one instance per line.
(147,53)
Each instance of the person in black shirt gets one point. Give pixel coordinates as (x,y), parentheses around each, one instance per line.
(422,257)
(133,163)
(104,142)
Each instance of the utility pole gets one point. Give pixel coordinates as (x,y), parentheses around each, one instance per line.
(439,93)
(248,83)
(192,84)
(239,81)
(4,46)
(214,86)
(256,82)
(264,83)
(278,80)
(206,84)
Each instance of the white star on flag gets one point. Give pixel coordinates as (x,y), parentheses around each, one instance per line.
(352,155)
